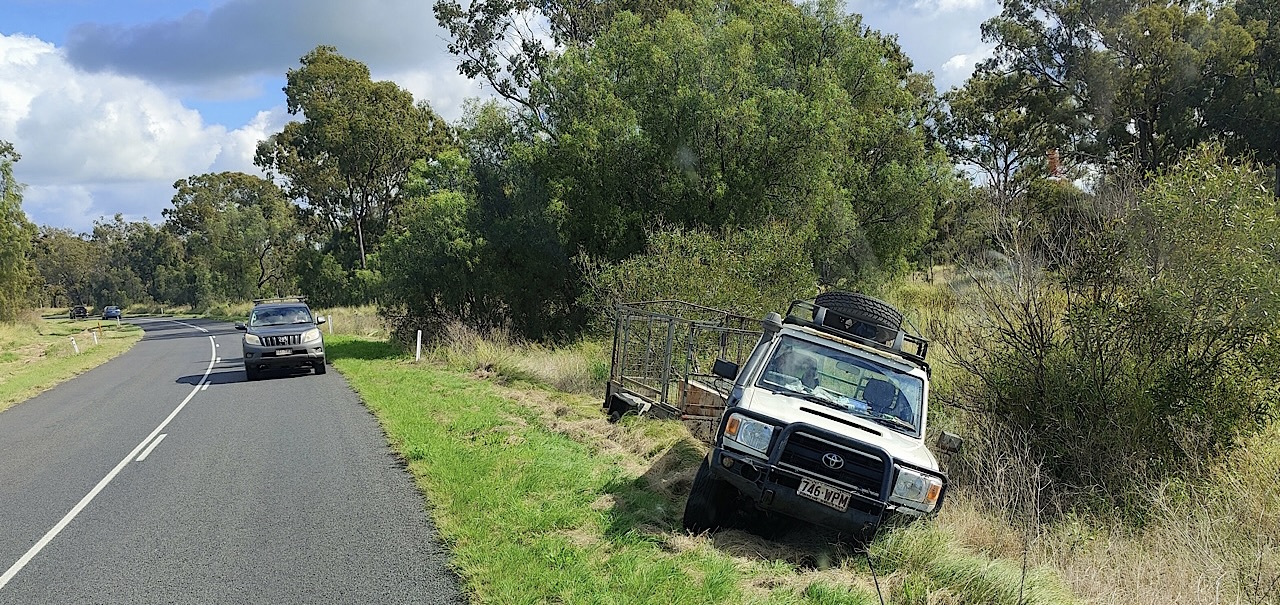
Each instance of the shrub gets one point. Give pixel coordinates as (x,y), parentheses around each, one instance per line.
(1142,350)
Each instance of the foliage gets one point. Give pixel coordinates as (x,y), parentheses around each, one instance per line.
(346,162)
(239,231)
(1153,346)
(728,115)
(15,238)
(1124,84)
(749,272)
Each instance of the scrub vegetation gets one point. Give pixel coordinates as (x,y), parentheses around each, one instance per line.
(1086,230)
(36,353)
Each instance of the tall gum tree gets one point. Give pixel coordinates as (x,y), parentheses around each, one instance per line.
(347,160)
(16,233)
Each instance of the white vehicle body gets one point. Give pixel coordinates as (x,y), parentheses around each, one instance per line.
(824,426)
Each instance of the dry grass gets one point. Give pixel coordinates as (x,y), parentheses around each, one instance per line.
(580,368)
(36,354)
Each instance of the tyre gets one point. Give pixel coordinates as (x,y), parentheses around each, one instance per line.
(321,368)
(710,501)
(252,374)
(863,307)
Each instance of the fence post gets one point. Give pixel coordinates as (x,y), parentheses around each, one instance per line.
(417,356)
(74,345)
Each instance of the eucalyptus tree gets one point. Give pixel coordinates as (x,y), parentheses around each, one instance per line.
(733,114)
(1245,105)
(238,231)
(347,160)
(15,237)
(1129,81)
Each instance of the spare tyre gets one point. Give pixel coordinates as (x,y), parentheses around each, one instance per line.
(861,307)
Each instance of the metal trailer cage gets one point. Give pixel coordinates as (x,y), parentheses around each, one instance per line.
(663,354)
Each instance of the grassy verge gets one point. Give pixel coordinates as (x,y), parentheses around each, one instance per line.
(37,354)
(541,500)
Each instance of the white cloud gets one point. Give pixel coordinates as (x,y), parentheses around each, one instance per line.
(92,144)
(444,88)
(73,204)
(947,6)
(960,66)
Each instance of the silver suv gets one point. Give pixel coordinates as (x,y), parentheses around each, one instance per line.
(282,333)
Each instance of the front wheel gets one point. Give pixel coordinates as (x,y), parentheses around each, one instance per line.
(320,367)
(251,374)
(710,501)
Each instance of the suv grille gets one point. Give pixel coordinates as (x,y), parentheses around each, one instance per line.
(281,341)
(863,471)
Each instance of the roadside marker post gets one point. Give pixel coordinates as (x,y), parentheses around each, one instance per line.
(95,337)
(417,356)
(74,345)
(330,318)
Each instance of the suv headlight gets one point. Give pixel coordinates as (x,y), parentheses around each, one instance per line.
(252,339)
(750,433)
(916,490)
(310,335)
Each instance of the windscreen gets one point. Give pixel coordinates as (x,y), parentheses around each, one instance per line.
(846,382)
(279,316)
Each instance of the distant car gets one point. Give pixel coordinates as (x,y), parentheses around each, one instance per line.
(112,312)
(282,333)
(77,312)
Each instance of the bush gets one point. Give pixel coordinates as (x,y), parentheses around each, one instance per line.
(1148,348)
(749,272)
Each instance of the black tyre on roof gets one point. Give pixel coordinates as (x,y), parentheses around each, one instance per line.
(863,307)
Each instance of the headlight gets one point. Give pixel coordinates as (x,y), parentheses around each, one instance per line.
(310,335)
(916,490)
(750,433)
(252,339)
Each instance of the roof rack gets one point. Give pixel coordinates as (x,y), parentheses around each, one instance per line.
(258,301)
(909,346)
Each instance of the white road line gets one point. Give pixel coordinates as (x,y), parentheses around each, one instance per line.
(205,387)
(147,452)
(189,325)
(75,510)
(217,360)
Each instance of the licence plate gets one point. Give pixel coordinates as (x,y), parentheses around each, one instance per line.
(824,494)
(284,351)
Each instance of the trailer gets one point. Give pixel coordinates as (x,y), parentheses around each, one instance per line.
(664,353)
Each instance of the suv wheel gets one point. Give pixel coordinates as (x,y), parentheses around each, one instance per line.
(251,374)
(320,367)
(709,502)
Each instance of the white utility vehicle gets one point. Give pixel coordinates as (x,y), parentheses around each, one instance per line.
(824,421)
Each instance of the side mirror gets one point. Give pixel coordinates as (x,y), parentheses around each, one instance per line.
(240,326)
(321,319)
(725,369)
(949,442)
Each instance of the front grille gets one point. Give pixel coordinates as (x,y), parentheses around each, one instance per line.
(281,341)
(864,472)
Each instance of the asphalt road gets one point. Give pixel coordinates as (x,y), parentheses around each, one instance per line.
(163,476)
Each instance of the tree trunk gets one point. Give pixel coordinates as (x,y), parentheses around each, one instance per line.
(360,237)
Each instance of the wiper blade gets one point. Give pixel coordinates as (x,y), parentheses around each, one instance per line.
(821,401)
(892,421)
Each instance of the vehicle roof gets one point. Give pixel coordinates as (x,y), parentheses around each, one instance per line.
(278,305)
(904,364)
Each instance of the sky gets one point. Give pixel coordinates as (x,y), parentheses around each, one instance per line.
(110,102)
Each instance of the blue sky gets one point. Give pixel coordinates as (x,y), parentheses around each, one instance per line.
(112,101)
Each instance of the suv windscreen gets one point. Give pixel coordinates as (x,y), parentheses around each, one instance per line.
(279,316)
(846,382)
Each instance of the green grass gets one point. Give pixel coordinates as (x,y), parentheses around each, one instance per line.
(37,354)
(541,501)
